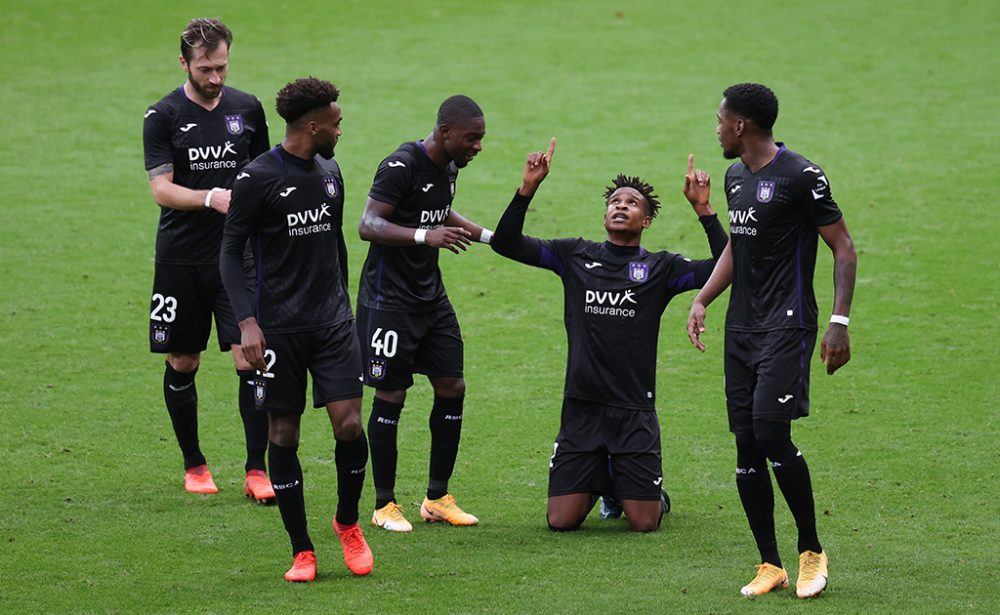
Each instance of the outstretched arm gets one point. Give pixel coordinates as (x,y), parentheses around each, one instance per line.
(835,349)
(509,240)
(697,189)
(376,227)
(479,233)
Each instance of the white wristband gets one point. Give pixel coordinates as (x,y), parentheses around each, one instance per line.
(420,236)
(208,196)
(840,320)
(485,236)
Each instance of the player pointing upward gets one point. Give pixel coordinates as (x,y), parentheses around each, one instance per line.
(614,293)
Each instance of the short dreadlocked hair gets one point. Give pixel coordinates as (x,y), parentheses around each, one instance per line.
(304,95)
(624,181)
(205,33)
(753,101)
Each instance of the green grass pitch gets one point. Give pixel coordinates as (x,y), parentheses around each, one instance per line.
(897,101)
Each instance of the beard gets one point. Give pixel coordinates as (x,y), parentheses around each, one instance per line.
(207,93)
(326,151)
(729,154)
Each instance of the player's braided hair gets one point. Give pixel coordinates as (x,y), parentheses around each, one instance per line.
(457,109)
(304,95)
(624,181)
(205,33)
(753,101)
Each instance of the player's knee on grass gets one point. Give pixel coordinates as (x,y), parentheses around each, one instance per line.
(642,515)
(561,525)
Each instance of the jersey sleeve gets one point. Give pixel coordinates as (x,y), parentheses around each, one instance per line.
(244,208)
(821,209)
(393,180)
(260,141)
(156,143)
(509,240)
(686,274)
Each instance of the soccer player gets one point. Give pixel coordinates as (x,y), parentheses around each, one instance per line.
(779,204)
(614,294)
(290,203)
(196,140)
(406,323)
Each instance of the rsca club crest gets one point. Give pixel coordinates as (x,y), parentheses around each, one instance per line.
(161,334)
(259,390)
(765,191)
(234,124)
(376,369)
(330,183)
(638,272)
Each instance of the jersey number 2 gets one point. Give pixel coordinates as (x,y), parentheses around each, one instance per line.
(165,308)
(385,345)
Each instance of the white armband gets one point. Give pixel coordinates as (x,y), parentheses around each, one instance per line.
(420,236)
(208,196)
(485,236)
(840,320)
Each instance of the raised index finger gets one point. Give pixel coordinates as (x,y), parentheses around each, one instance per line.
(552,149)
(690,164)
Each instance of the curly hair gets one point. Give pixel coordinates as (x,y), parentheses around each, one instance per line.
(205,33)
(457,109)
(304,95)
(646,190)
(753,101)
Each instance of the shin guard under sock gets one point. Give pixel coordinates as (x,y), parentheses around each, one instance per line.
(792,474)
(286,478)
(351,459)
(181,398)
(753,482)
(383,424)
(446,431)
(254,422)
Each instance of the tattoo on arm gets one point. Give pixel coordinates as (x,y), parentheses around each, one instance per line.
(844,272)
(163,169)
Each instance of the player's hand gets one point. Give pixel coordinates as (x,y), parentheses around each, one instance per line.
(253,343)
(220,201)
(536,168)
(696,325)
(454,238)
(835,349)
(697,188)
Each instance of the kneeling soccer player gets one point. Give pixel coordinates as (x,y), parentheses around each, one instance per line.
(291,201)
(615,293)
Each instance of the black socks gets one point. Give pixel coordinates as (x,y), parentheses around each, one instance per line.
(446,431)
(286,478)
(382,426)
(351,459)
(181,398)
(254,422)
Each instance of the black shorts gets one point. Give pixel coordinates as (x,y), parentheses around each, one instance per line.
(767,375)
(590,435)
(395,345)
(185,297)
(331,356)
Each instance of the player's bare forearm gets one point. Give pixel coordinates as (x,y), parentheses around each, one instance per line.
(458,220)
(719,281)
(168,194)
(845,265)
(376,227)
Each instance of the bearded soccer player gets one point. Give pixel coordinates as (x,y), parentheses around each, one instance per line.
(406,323)
(290,203)
(614,294)
(779,205)
(196,140)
